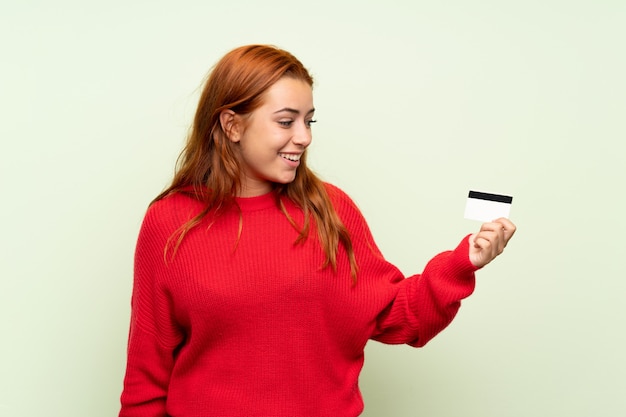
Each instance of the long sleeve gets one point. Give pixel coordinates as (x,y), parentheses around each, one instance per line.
(420,306)
(153,335)
(426,304)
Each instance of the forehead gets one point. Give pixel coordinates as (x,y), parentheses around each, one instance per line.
(289,92)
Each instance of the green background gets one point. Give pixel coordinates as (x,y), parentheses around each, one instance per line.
(418,102)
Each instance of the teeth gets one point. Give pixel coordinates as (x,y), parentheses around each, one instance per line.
(291,157)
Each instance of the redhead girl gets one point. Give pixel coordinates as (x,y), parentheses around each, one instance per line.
(256,284)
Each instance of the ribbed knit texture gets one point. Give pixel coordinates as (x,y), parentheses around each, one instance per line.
(256,327)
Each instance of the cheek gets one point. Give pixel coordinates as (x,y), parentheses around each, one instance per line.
(263,142)
(256,154)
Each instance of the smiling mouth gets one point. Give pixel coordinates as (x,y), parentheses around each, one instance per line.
(290,157)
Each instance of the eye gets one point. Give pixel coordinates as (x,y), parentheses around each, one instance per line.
(285,123)
(310,122)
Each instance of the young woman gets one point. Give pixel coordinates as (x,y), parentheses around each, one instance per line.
(256,284)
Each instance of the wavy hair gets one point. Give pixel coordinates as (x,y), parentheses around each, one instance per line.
(210,164)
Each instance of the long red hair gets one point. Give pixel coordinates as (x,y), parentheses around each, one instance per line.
(210,163)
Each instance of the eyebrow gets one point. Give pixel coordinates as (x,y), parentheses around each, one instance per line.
(294,111)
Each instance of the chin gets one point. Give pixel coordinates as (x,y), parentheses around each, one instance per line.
(285,180)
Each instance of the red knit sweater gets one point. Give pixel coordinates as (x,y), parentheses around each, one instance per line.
(256,327)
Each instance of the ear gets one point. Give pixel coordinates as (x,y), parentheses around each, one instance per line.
(230,125)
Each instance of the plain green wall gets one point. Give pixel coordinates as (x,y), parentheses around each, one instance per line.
(418,102)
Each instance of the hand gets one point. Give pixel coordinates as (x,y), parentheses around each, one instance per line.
(490,241)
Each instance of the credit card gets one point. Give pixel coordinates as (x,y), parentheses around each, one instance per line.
(486,207)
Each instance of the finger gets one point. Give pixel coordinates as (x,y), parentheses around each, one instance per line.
(487,239)
(506,224)
(482,242)
(501,235)
(508,227)
(491,226)
(485,253)
(494,228)
(491,238)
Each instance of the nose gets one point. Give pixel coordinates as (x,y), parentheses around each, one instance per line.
(302,135)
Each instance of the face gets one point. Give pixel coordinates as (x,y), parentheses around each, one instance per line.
(274,136)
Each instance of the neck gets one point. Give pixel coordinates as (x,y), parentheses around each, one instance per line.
(254,190)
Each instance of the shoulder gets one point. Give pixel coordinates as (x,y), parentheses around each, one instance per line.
(337,195)
(353,220)
(171,212)
(345,207)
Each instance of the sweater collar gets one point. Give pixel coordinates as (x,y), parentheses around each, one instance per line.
(259,202)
